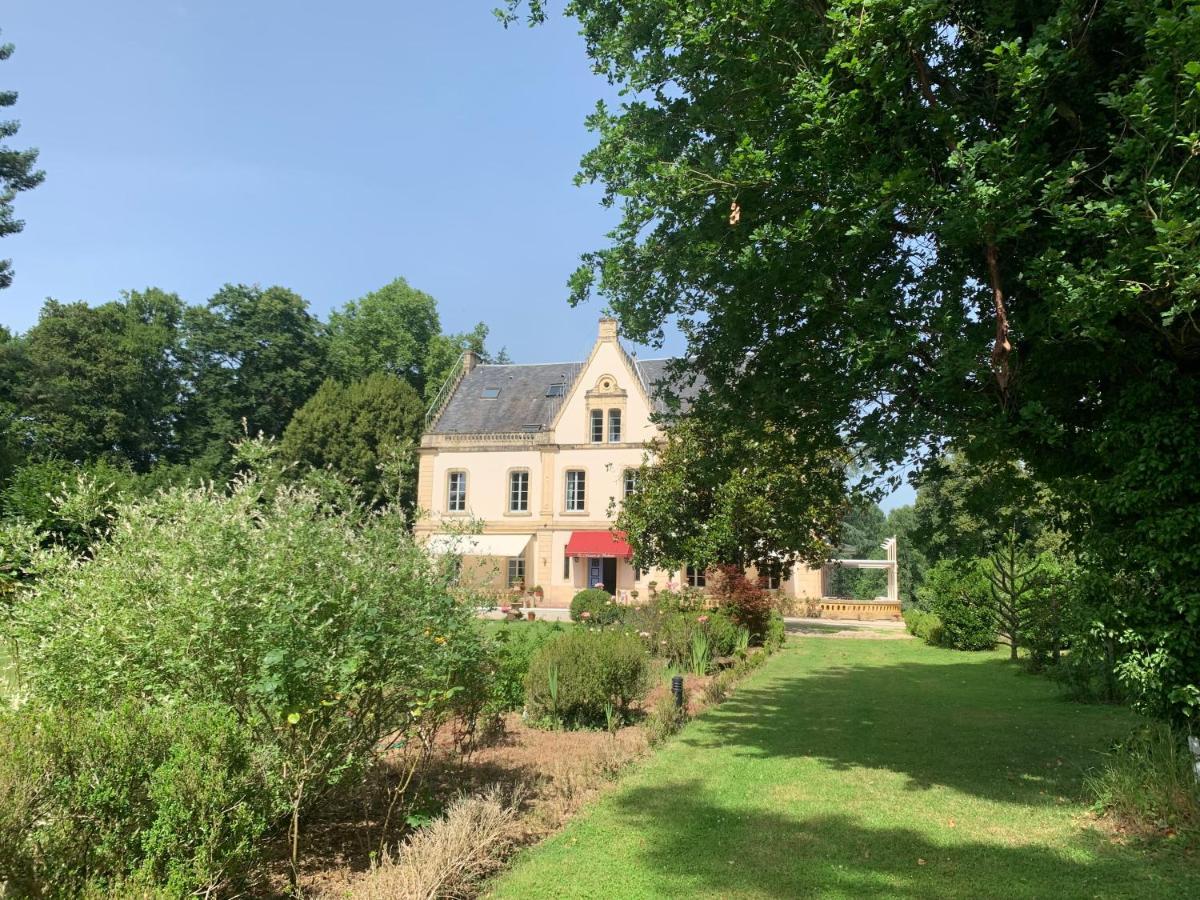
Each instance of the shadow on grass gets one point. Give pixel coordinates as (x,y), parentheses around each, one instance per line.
(691,845)
(979,726)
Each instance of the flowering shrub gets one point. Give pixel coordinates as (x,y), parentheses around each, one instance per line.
(677,632)
(574,679)
(594,607)
(672,598)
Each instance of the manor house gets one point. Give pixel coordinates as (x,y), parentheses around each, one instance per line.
(524,467)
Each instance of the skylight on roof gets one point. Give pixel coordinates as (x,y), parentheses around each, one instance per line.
(490,393)
(556,390)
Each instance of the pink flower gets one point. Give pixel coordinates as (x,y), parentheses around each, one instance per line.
(585,615)
(598,584)
(703,620)
(505,609)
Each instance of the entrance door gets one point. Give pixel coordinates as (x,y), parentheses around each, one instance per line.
(610,575)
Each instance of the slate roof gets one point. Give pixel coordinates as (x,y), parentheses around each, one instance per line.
(653,373)
(522,404)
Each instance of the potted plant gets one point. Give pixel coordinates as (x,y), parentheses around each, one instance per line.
(530,615)
(538,593)
(634,595)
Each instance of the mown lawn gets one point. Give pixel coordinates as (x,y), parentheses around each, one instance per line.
(864,768)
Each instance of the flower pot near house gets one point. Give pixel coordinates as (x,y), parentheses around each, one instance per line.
(531,615)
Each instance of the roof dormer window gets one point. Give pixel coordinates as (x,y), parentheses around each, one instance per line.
(490,393)
(556,390)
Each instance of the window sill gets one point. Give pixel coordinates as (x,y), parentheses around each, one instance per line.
(518,515)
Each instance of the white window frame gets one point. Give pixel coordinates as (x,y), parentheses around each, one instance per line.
(456,501)
(596,426)
(614,426)
(695,577)
(518,497)
(575,494)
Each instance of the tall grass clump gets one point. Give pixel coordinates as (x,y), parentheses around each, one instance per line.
(701,656)
(1147,784)
(449,857)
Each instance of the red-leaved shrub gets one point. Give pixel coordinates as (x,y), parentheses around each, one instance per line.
(745,602)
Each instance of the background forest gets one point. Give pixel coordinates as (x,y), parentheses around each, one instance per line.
(148,391)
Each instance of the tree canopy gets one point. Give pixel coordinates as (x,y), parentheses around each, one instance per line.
(891,225)
(364,431)
(151,384)
(708,499)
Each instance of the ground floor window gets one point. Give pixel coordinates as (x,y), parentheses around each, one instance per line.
(770,582)
(516,571)
(695,577)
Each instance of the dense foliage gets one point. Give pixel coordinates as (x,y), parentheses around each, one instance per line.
(152,386)
(746,604)
(960,599)
(727,496)
(594,606)
(173,795)
(892,225)
(513,648)
(320,627)
(577,678)
(365,431)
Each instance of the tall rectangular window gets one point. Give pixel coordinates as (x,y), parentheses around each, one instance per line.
(456,492)
(516,571)
(576,491)
(518,491)
(770,582)
(597,426)
(614,426)
(695,576)
(630,481)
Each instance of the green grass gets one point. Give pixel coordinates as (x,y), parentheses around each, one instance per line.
(864,768)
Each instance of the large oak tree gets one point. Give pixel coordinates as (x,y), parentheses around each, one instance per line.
(901,222)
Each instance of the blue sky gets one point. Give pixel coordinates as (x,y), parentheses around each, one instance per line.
(325,147)
(188,143)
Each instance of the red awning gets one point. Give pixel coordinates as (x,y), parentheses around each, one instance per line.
(598,543)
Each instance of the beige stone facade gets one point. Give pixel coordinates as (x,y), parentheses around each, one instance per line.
(518,460)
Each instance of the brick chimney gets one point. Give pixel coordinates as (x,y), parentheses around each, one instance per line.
(470,360)
(608,329)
